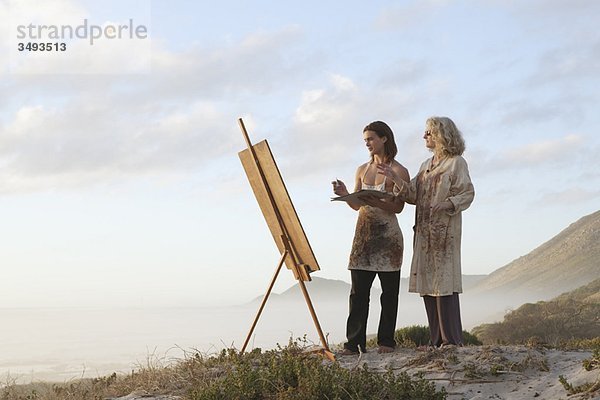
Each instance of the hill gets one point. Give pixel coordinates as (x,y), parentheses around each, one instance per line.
(567,261)
(572,315)
(324,289)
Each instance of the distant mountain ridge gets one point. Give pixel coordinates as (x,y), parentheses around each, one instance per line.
(323,289)
(567,261)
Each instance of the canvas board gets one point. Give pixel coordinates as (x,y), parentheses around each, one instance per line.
(280,215)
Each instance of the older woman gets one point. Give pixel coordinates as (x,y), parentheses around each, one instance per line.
(441,191)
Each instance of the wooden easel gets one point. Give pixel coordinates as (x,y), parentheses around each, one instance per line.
(284,226)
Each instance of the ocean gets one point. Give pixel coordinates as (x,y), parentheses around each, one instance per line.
(59,344)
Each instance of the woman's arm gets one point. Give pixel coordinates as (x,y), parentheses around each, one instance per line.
(395,204)
(406,189)
(339,188)
(462,191)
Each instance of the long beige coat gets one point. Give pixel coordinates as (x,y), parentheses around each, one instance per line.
(435,268)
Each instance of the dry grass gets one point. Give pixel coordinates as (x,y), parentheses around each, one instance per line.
(284,373)
(569,317)
(157,375)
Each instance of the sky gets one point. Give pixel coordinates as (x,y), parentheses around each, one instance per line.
(120,183)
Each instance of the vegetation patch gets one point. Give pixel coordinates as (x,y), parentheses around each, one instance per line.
(569,318)
(592,362)
(585,388)
(288,373)
(418,335)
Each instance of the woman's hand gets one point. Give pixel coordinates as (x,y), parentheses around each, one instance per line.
(339,188)
(389,172)
(443,206)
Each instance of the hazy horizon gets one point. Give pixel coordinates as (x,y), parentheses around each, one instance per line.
(59,344)
(63,343)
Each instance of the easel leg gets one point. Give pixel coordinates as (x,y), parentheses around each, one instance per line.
(313,314)
(264,301)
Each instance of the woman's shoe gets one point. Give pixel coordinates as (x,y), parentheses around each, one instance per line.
(385,349)
(348,352)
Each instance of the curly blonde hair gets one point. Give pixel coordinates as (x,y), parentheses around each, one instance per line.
(447,135)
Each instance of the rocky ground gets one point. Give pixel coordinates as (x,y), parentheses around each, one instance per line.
(490,372)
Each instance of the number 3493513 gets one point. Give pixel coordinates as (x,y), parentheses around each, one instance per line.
(44,46)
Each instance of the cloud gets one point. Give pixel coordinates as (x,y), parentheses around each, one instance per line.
(541,155)
(403,72)
(573,62)
(258,64)
(73,129)
(324,124)
(326,131)
(77,129)
(321,107)
(408,16)
(570,196)
(254,66)
(544,151)
(558,13)
(530,110)
(86,143)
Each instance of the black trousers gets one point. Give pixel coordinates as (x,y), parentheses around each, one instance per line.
(443,314)
(356,327)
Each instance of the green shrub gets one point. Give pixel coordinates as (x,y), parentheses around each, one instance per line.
(580,344)
(567,318)
(592,362)
(470,339)
(412,336)
(290,374)
(571,390)
(418,335)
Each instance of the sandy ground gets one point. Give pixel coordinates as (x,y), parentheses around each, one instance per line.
(489,372)
(479,372)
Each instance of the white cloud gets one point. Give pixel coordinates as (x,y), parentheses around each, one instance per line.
(569,196)
(403,72)
(327,107)
(555,13)
(258,64)
(343,83)
(572,62)
(409,15)
(544,151)
(306,112)
(542,157)
(85,143)
(327,127)
(83,129)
